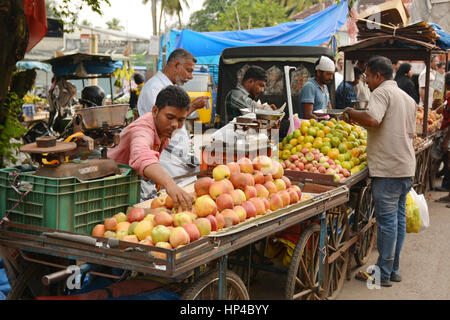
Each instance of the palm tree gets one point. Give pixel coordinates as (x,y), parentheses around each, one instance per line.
(85,22)
(170,7)
(153,14)
(174,7)
(114,24)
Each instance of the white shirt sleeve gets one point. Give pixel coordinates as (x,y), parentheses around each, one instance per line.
(422,80)
(147,98)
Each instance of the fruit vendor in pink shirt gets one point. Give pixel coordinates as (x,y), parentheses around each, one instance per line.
(142,142)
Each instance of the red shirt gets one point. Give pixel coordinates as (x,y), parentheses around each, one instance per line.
(140,145)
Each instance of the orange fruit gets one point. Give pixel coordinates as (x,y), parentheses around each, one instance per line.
(333,153)
(99,230)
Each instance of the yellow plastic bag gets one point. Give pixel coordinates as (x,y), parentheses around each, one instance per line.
(280,251)
(413,222)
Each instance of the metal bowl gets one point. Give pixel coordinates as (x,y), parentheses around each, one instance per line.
(330,112)
(109,116)
(269,114)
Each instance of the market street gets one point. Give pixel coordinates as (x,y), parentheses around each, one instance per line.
(424,263)
(423,267)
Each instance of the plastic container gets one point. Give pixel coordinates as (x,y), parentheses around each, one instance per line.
(28,110)
(68,204)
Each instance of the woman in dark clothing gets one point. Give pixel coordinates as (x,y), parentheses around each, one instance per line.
(404,82)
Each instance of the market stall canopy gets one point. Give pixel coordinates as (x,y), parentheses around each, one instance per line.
(81,65)
(34,65)
(392,47)
(444,37)
(395,48)
(312,31)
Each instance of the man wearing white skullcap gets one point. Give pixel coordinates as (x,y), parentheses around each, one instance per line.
(314,94)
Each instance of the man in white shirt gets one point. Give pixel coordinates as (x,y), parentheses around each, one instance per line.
(338,75)
(176,158)
(362,90)
(422,78)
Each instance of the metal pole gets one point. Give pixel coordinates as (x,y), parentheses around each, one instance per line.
(223,277)
(322,247)
(287,69)
(427,92)
(111,89)
(345,71)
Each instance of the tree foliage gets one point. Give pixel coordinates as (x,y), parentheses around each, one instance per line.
(237,15)
(167,7)
(14,38)
(294,6)
(67,11)
(114,24)
(201,20)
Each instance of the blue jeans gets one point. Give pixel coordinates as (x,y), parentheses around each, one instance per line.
(389,195)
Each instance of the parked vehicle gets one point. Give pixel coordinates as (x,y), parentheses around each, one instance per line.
(203,84)
(234,61)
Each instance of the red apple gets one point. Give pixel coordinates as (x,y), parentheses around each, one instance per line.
(287,181)
(249,209)
(250,192)
(250,179)
(239,180)
(284,195)
(224,201)
(293,196)
(213,221)
(258,177)
(271,187)
(136,214)
(202,186)
(275,202)
(245,165)
(259,205)
(234,167)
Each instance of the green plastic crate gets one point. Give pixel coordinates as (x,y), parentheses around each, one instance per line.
(69,204)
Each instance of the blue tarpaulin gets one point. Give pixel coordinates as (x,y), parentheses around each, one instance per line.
(34,65)
(444,40)
(4,283)
(312,31)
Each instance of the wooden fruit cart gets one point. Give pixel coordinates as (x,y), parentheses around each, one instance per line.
(200,268)
(424,173)
(350,229)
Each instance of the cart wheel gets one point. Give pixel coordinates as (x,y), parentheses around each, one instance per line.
(338,235)
(303,274)
(366,212)
(419,178)
(207,288)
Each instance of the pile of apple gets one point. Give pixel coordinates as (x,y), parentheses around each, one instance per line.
(316,162)
(237,191)
(434,119)
(329,147)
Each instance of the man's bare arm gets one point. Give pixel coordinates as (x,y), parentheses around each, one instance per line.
(180,197)
(422,94)
(308,111)
(362,118)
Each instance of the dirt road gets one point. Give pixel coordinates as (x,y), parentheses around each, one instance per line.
(424,263)
(424,266)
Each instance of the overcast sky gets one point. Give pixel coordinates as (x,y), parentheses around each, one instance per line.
(133,15)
